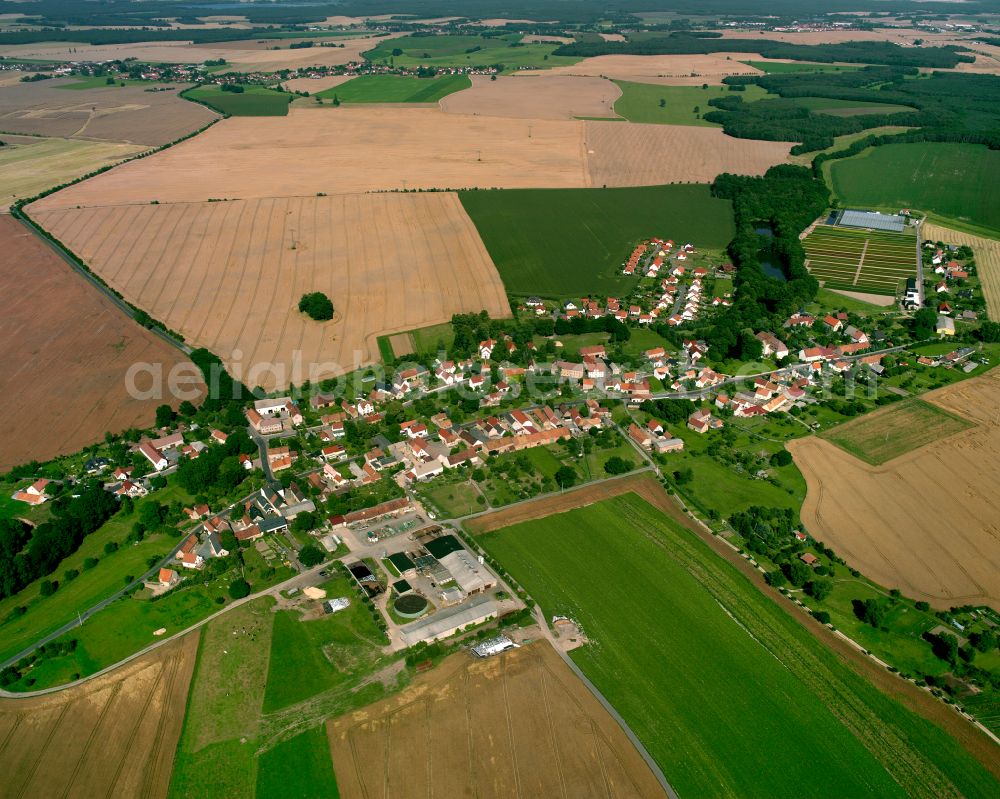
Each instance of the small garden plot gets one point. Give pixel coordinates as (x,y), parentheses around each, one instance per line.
(858,260)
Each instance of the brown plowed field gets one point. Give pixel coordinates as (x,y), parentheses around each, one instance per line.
(520,724)
(927,522)
(115,113)
(625,154)
(66,351)
(987,252)
(228,275)
(344,150)
(669,70)
(112,736)
(535,97)
(241,55)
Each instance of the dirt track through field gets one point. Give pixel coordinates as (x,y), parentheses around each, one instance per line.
(987,256)
(66,353)
(228,276)
(927,522)
(520,724)
(535,97)
(112,736)
(114,113)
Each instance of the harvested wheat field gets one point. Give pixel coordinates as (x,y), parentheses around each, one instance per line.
(32,164)
(241,55)
(66,353)
(314,85)
(402,344)
(111,736)
(987,252)
(228,276)
(669,70)
(114,113)
(927,522)
(535,97)
(400,148)
(627,154)
(520,724)
(376,148)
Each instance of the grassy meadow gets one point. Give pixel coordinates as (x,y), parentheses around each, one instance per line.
(674,105)
(780,67)
(396,89)
(253,101)
(566,243)
(959,181)
(729,694)
(879,437)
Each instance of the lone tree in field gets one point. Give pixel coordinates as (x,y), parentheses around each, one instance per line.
(317,306)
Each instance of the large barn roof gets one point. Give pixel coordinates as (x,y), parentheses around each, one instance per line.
(874,220)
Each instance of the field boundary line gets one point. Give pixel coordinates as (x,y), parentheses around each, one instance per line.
(861,263)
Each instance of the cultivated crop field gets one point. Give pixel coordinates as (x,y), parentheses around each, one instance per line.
(396,89)
(66,353)
(242,55)
(987,254)
(681,105)
(960,181)
(761,707)
(621,154)
(464,51)
(573,242)
(848,108)
(926,522)
(518,724)
(890,432)
(541,96)
(111,113)
(876,262)
(668,70)
(253,101)
(29,165)
(111,736)
(228,275)
(283,156)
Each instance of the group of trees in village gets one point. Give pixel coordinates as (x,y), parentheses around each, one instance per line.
(27,554)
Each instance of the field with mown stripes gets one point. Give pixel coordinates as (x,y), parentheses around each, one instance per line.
(877,262)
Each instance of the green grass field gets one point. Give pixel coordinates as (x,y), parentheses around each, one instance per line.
(298,768)
(879,437)
(682,105)
(458,51)
(254,101)
(45,614)
(871,261)
(960,181)
(300,669)
(450,498)
(826,301)
(396,89)
(570,242)
(730,695)
(777,67)
(848,108)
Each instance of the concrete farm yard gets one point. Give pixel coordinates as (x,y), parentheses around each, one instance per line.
(228,275)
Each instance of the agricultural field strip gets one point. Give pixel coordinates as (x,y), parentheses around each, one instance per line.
(856,258)
(839,691)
